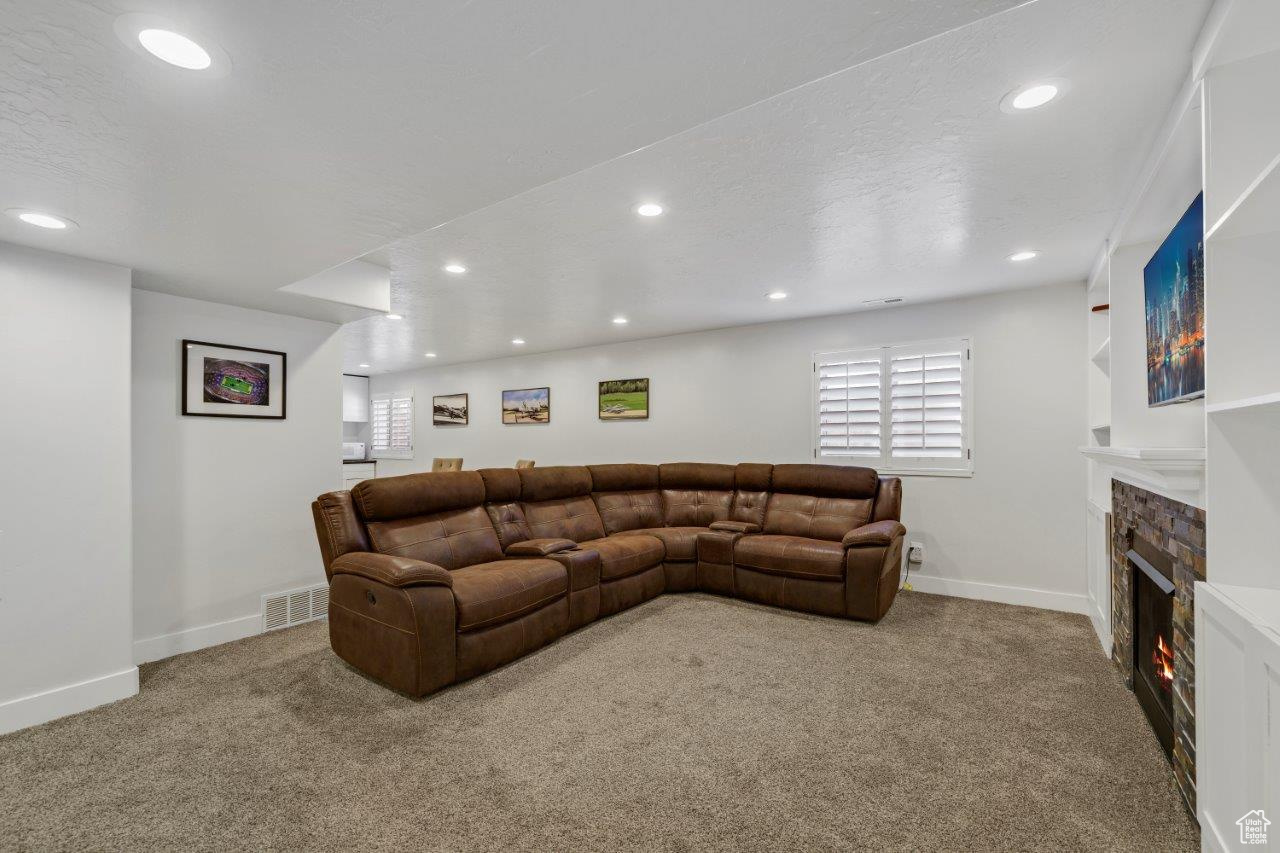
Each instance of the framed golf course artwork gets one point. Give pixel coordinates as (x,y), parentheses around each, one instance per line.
(224,381)
(624,400)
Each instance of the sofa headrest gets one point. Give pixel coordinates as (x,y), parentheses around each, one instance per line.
(389,498)
(627,477)
(828,481)
(696,475)
(501,485)
(753,476)
(556,481)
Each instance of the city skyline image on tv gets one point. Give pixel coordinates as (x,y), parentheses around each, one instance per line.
(1174,287)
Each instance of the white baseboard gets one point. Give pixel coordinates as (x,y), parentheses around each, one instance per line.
(72,699)
(1021,595)
(194,639)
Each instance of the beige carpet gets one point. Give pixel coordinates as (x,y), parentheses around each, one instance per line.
(689,723)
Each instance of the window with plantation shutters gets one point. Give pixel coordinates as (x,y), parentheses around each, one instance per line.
(391,426)
(849,404)
(898,408)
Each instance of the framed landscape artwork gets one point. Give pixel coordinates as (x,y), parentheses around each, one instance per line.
(449,410)
(624,400)
(526,406)
(224,381)
(1174,288)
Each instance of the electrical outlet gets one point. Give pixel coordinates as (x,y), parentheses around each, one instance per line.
(915,554)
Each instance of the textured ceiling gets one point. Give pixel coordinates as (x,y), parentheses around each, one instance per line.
(345,125)
(842,151)
(899,177)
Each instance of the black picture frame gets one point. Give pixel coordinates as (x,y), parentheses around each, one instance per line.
(185,390)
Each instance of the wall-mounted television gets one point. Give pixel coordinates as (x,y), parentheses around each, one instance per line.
(1174,286)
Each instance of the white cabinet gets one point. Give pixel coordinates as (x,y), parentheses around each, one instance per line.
(354,472)
(1237,708)
(355,399)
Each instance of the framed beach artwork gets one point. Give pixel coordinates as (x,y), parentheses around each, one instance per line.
(526,406)
(449,410)
(225,381)
(624,400)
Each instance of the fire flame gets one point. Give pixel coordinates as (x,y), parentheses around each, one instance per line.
(1163,660)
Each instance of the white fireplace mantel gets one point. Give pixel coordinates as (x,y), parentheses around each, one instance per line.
(1175,472)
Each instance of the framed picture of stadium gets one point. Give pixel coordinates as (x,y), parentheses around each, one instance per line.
(223,381)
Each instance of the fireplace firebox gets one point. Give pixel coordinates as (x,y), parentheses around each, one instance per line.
(1153,659)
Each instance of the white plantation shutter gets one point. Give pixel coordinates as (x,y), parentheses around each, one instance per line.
(849,404)
(926,398)
(391,426)
(895,408)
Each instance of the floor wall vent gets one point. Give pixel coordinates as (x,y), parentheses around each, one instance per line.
(294,606)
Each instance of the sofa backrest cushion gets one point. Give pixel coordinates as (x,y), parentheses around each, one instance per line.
(554,482)
(695,494)
(819,501)
(627,477)
(626,496)
(389,498)
(453,539)
(751,492)
(502,502)
(500,484)
(573,518)
(825,481)
(888,500)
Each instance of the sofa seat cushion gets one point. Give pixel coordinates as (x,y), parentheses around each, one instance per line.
(625,554)
(681,543)
(489,594)
(793,556)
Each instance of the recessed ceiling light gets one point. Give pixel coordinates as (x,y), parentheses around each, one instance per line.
(395,316)
(1029,254)
(1034,95)
(430,355)
(619,321)
(649,209)
(456,269)
(777,295)
(364,365)
(518,341)
(41,220)
(160,39)
(175,49)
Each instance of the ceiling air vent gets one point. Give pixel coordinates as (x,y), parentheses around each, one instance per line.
(294,606)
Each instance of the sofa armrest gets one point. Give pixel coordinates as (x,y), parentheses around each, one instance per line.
(583,566)
(391,570)
(539,547)
(735,526)
(877,533)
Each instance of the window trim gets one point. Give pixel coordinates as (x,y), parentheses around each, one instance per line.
(885,464)
(391,453)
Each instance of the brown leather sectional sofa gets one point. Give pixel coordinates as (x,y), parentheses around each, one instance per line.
(438,577)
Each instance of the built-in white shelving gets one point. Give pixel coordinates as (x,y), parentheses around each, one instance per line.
(1102,355)
(1262,404)
(1237,626)
(1256,211)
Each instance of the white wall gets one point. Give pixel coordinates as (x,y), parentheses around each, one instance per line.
(222,506)
(1012,532)
(65,605)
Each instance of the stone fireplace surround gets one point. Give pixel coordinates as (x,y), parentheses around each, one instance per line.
(1177,529)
